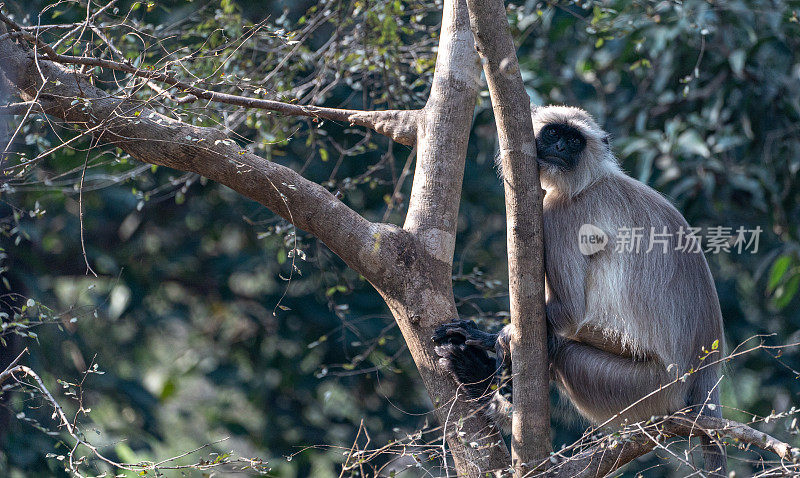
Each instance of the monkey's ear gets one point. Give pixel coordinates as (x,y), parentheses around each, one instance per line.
(606,140)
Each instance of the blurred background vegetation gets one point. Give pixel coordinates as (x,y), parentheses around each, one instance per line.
(210,317)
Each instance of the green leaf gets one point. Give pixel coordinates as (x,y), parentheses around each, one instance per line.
(787,292)
(778,270)
(168,390)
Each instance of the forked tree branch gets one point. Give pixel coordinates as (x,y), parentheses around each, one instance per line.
(410,267)
(443,133)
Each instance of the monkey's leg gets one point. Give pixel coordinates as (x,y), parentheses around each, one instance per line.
(602,384)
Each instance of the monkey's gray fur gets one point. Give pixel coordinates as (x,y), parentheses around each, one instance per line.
(620,324)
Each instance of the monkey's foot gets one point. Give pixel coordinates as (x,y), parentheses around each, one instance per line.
(464,332)
(471,366)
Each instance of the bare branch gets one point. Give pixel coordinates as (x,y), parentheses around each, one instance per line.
(636,440)
(685,425)
(601,459)
(20,108)
(399,125)
(6,373)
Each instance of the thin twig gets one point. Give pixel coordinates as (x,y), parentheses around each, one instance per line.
(80,212)
(13,364)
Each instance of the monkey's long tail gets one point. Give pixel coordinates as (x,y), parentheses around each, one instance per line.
(714,456)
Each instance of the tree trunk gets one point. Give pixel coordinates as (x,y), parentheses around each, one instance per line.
(530,434)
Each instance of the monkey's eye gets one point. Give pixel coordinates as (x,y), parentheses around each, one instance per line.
(551,133)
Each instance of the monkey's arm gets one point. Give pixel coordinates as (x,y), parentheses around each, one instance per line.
(558,317)
(465,332)
(463,347)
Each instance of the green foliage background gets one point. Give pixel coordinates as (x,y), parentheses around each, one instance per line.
(196,331)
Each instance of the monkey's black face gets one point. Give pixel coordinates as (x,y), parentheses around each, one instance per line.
(560,145)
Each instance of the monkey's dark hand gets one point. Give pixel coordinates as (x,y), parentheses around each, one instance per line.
(471,366)
(464,332)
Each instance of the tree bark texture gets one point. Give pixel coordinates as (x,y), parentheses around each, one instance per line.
(530,434)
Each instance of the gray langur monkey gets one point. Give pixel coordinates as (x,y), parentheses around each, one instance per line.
(622,322)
